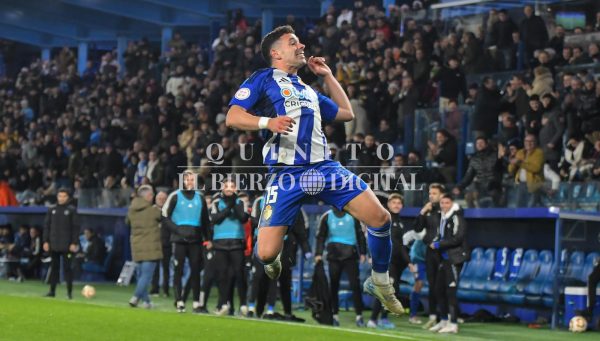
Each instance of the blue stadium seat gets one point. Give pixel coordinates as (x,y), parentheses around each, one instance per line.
(533,291)
(565,259)
(591,259)
(478,272)
(512,291)
(475,269)
(512,270)
(573,275)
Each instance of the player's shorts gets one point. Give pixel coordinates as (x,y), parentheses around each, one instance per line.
(288,186)
(421,274)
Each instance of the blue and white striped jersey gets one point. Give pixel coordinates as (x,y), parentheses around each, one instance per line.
(272,92)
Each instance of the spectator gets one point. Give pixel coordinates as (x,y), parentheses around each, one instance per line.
(527,167)
(146,250)
(444,153)
(408,99)
(33,254)
(155,171)
(483,174)
(385,133)
(576,164)
(167,251)
(516,97)
(543,83)
(508,128)
(453,119)
(551,131)
(557,42)
(452,82)
(472,54)
(18,250)
(534,115)
(502,37)
(533,32)
(487,104)
(95,253)
(596,158)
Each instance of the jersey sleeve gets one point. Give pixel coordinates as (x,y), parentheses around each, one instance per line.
(329,108)
(249,92)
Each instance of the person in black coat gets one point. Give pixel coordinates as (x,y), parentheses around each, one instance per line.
(428,221)
(444,152)
(487,105)
(450,244)
(533,32)
(502,32)
(61,239)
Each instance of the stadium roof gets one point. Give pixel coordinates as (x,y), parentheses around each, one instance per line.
(54,23)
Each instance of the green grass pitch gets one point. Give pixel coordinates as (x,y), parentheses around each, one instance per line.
(26,315)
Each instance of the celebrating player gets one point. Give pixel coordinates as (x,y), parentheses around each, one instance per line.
(276,99)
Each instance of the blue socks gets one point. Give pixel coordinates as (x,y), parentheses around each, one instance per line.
(414,303)
(380,245)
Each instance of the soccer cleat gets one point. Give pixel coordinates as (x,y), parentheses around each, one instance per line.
(439,326)
(360,322)
(250,314)
(147,305)
(180,305)
(430,323)
(414,320)
(336,322)
(450,328)
(371,324)
(69,296)
(385,294)
(50,294)
(244,310)
(224,311)
(273,270)
(385,324)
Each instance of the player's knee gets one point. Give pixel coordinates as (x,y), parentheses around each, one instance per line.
(266,254)
(380,218)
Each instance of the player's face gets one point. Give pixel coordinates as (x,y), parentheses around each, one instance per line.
(229,188)
(160,199)
(434,195)
(290,50)
(445,204)
(189,181)
(395,206)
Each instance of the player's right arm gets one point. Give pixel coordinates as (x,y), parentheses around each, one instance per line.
(239,118)
(245,99)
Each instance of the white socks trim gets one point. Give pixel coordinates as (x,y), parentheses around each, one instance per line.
(380,278)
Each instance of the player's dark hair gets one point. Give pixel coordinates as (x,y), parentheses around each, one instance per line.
(271,37)
(447,196)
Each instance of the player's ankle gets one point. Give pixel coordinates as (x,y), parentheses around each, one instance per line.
(380,277)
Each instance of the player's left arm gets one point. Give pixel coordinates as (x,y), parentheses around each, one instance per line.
(336,92)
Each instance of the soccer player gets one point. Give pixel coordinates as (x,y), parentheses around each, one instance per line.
(399,262)
(277,100)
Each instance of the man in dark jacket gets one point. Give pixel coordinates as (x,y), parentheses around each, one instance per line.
(452,83)
(484,173)
(95,252)
(450,244)
(533,32)
(429,221)
(502,32)
(61,239)
(487,108)
(186,216)
(346,246)
(551,132)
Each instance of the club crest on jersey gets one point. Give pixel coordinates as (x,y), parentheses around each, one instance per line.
(267,212)
(242,94)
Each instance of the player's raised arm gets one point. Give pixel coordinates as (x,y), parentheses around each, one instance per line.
(338,95)
(239,118)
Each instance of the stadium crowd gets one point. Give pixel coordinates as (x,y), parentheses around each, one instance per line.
(120,126)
